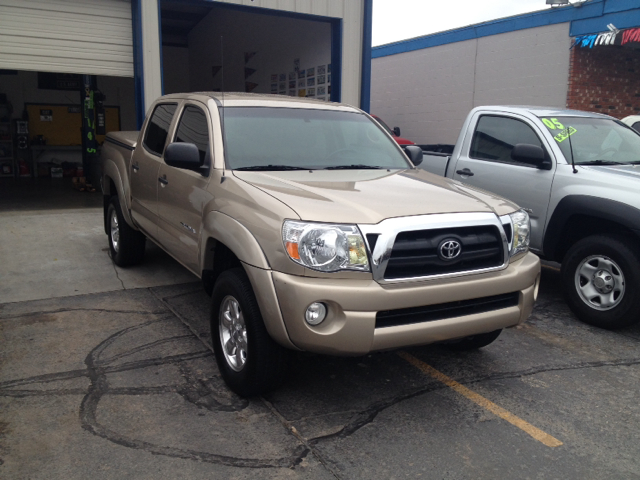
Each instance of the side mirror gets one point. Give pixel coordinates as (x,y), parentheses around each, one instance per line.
(414,153)
(185,156)
(531,155)
(396,131)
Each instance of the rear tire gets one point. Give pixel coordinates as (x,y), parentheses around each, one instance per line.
(601,280)
(473,342)
(250,362)
(125,244)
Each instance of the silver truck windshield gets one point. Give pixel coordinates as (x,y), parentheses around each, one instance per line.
(263,138)
(595,141)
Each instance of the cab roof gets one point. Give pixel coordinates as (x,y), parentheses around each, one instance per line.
(241,99)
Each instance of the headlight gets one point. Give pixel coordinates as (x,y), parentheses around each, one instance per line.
(521,232)
(325,247)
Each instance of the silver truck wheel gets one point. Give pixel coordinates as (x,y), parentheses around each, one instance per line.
(250,362)
(233,333)
(114,230)
(125,244)
(601,280)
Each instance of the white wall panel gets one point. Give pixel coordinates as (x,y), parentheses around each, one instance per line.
(67,36)
(428,93)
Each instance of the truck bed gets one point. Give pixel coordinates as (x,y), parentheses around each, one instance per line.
(127,139)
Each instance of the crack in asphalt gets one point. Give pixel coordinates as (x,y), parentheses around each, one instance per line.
(164,302)
(65,310)
(117,274)
(294,431)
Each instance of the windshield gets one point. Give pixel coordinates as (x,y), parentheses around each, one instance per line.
(385,126)
(594,140)
(262,138)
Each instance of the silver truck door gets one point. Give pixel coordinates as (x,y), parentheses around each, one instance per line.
(145,163)
(485,162)
(182,193)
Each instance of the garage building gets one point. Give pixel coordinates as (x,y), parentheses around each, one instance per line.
(560,57)
(72,69)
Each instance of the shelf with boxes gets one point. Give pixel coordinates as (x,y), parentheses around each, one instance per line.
(7,159)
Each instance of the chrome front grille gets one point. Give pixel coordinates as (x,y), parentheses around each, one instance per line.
(411,248)
(417,253)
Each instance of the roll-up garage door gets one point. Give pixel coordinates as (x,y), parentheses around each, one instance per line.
(67,36)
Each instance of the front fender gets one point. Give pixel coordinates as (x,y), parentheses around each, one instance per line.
(608,210)
(236,237)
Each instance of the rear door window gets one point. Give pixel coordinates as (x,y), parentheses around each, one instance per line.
(193,128)
(158,127)
(495,138)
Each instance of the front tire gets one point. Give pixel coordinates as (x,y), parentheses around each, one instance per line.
(250,362)
(601,279)
(125,244)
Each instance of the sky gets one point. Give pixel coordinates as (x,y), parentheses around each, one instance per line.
(395,20)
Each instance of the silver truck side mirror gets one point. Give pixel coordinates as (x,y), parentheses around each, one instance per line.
(531,155)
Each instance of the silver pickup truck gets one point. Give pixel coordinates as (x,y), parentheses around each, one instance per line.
(577,174)
(313,231)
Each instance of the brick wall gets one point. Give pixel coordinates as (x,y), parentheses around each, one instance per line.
(605,79)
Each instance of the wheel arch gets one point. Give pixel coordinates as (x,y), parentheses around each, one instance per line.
(222,230)
(579,216)
(227,244)
(113,185)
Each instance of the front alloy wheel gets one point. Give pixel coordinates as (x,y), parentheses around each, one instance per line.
(250,362)
(233,333)
(115,231)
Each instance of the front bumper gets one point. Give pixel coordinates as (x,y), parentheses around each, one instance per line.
(350,326)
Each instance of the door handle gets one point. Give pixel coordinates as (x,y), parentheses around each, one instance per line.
(135,167)
(465,171)
(163,180)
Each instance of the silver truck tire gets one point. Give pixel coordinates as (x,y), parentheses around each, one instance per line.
(473,342)
(125,244)
(601,280)
(250,362)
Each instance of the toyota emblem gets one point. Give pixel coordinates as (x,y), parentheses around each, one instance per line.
(449,249)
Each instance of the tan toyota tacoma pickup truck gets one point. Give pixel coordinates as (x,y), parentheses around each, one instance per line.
(312,230)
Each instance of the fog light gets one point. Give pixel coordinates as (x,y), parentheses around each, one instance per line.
(316,313)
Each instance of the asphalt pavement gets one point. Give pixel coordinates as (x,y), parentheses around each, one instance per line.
(123,384)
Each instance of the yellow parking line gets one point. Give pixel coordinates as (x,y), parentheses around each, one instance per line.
(536,433)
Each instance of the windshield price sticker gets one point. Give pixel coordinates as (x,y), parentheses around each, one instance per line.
(564,134)
(554,124)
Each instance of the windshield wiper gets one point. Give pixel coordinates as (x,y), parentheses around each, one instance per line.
(353,167)
(272,168)
(601,162)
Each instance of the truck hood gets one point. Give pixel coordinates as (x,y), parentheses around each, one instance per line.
(627,172)
(370,196)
